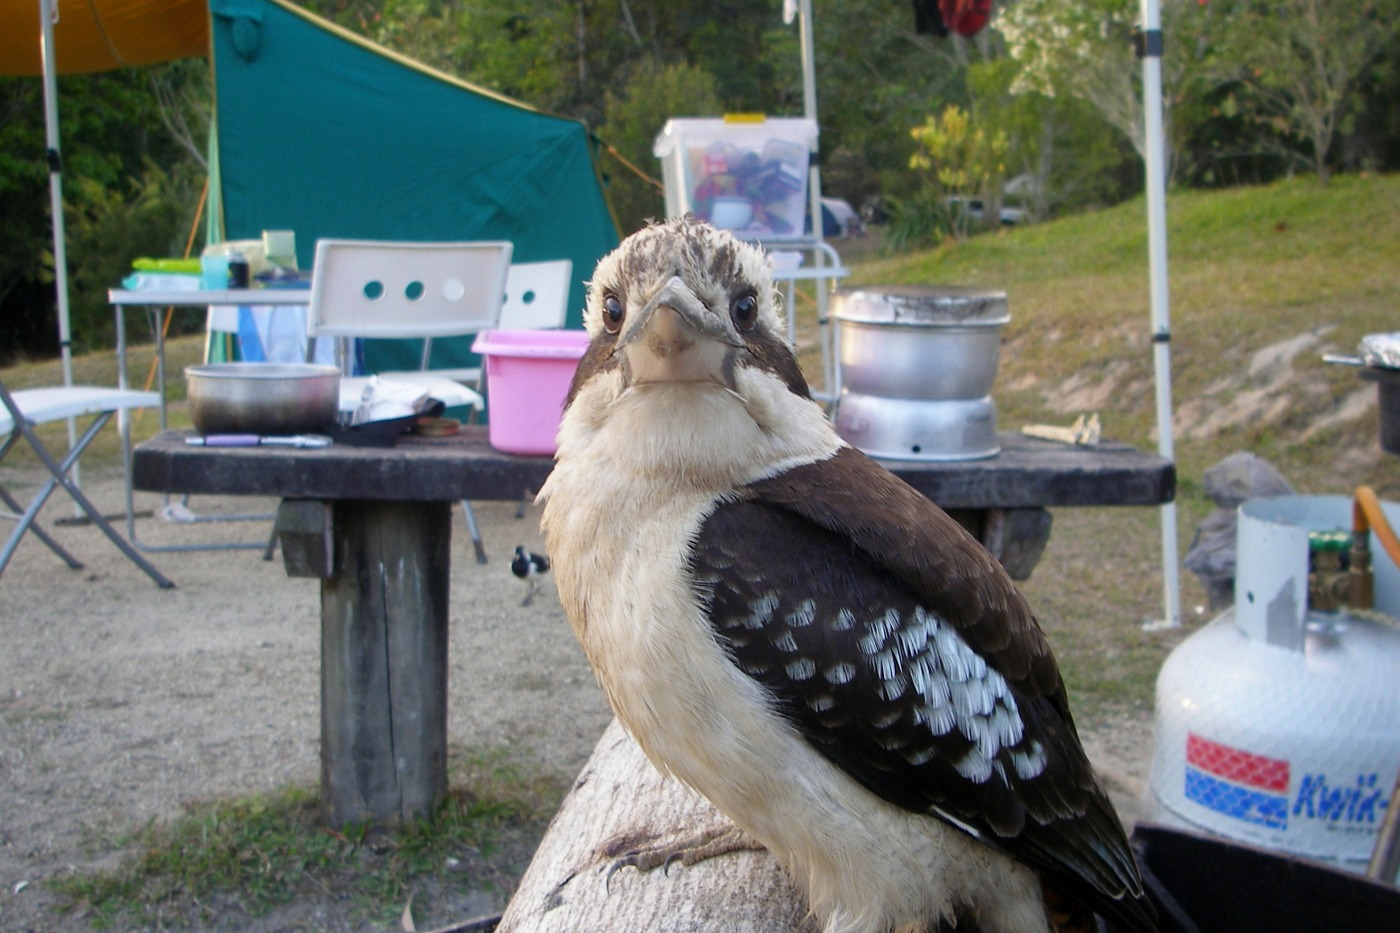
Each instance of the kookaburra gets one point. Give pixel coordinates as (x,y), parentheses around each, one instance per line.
(791,630)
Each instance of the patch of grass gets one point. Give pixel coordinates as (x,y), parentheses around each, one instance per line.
(249,856)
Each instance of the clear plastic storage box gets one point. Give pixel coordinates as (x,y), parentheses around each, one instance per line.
(748,175)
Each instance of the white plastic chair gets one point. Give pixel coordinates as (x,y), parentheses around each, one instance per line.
(537,295)
(373,289)
(20,412)
(536,298)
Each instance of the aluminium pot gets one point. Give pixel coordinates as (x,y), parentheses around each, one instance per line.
(917,367)
(263,398)
(919,341)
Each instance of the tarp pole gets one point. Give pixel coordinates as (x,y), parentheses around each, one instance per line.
(48,10)
(807,46)
(1155,148)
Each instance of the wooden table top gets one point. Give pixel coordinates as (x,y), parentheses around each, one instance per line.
(1028,473)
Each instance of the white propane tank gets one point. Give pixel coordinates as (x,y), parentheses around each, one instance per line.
(1277,725)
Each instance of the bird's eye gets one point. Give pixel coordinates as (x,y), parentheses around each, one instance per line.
(744,312)
(613,314)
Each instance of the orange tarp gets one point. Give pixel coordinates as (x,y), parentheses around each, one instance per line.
(99,35)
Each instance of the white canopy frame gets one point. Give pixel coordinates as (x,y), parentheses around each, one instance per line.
(48,15)
(1157,283)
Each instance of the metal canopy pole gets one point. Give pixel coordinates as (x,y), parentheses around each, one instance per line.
(1157,272)
(48,10)
(807,44)
(48,15)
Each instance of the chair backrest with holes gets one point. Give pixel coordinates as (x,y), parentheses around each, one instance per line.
(537,295)
(390,289)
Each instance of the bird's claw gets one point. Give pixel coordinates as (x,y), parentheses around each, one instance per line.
(687,851)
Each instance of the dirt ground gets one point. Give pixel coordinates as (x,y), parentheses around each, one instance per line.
(120,702)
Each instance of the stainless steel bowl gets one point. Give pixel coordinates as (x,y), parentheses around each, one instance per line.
(262,398)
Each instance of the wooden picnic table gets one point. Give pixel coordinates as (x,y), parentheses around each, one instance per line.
(374,525)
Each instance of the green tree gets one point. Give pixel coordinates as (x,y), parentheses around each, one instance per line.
(1087,51)
(113,128)
(1059,153)
(876,78)
(961,160)
(633,119)
(1302,60)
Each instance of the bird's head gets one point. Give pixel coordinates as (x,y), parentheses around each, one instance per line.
(688,372)
(685,302)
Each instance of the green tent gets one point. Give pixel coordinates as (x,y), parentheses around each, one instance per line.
(324,133)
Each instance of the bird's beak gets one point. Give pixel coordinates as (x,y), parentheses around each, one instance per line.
(675,337)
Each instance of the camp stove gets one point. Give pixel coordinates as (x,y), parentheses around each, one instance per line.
(917,365)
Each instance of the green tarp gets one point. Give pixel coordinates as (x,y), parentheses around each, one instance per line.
(321,132)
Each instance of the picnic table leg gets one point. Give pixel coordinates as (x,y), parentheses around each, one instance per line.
(384,662)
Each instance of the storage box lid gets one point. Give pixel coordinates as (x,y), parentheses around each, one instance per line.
(698,130)
(914,305)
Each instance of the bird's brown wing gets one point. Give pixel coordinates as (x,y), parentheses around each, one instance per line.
(905,655)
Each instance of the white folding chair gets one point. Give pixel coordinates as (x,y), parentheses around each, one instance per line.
(24,409)
(367,289)
(374,289)
(537,295)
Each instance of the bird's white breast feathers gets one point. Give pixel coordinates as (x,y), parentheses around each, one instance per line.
(636,478)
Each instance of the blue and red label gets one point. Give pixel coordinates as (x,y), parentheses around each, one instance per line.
(1254,788)
(1237,783)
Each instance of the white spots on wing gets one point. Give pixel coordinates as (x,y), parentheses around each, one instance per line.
(974,766)
(893,688)
(803,615)
(845,620)
(1029,762)
(761,611)
(921,757)
(939,719)
(801,669)
(885,664)
(840,673)
(887,718)
(912,639)
(953,689)
(878,630)
(785,642)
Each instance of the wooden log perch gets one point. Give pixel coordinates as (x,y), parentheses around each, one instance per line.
(619,804)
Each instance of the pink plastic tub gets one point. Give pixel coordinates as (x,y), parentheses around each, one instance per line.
(527,379)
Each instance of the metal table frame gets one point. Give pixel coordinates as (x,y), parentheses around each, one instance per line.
(151,301)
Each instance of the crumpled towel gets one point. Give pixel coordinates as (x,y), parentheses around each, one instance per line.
(385,400)
(1380,350)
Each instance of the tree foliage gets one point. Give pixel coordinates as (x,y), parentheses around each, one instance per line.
(957,157)
(115,144)
(633,118)
(1303,60)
